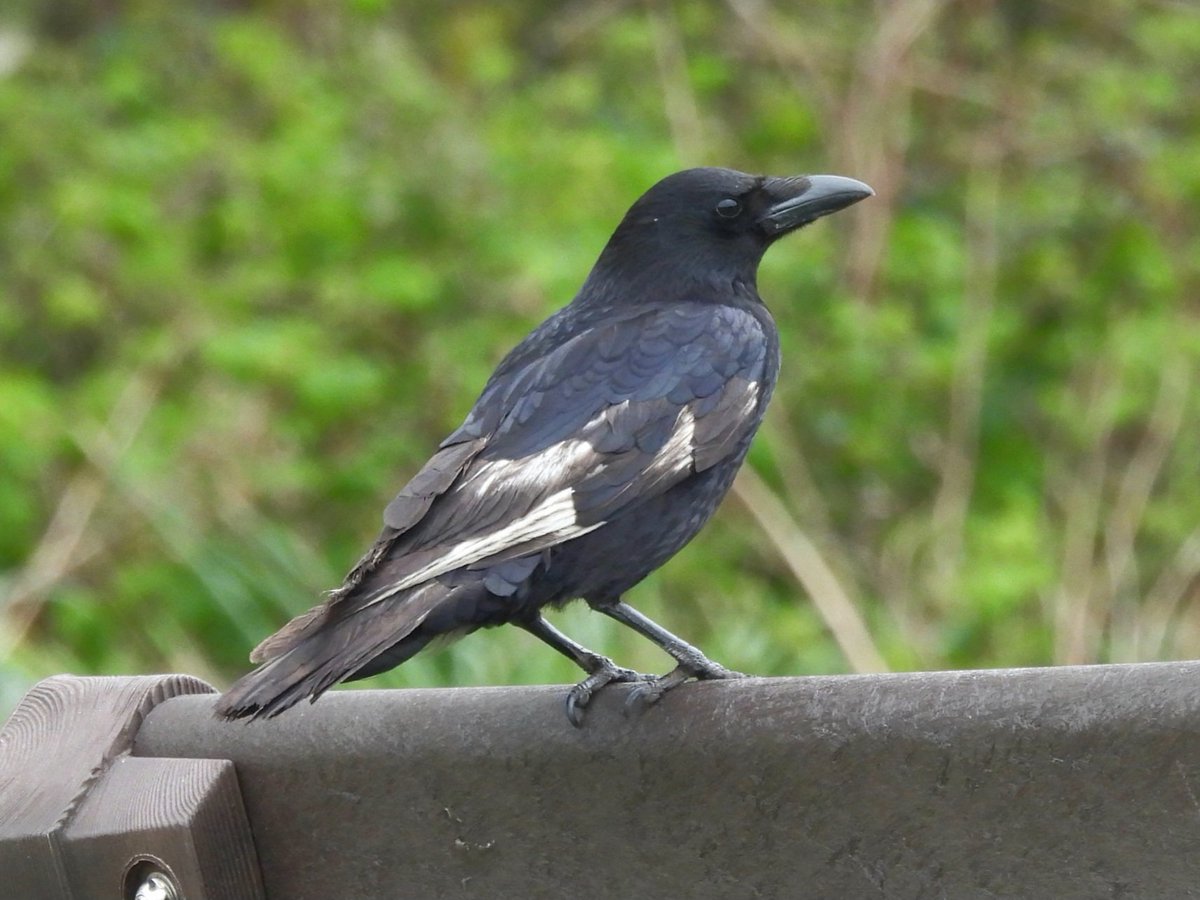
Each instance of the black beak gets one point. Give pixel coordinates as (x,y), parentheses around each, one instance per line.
(805,198)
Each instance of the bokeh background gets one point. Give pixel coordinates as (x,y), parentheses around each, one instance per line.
(256,259)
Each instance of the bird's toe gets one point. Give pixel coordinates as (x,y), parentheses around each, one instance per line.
(641,697)
(717,672)
(607,673)
(647,694)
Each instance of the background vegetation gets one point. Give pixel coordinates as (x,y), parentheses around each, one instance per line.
(257,258)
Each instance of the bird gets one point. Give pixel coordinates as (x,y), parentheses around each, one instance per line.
(598,448)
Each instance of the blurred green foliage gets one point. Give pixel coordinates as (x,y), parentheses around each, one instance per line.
(256,259)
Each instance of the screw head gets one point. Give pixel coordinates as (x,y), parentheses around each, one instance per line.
(156,886)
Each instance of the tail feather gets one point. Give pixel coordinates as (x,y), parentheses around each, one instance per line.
(290,635)
(325,649)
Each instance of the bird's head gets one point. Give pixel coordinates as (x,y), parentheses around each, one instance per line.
(720,222)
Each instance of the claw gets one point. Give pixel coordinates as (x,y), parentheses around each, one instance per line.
(578,698)
(646,695)
(607,673)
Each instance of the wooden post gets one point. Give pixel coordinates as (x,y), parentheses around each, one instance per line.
(83,820)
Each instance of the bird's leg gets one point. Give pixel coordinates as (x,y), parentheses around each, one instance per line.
(691,662)
(600,669)
(689,658)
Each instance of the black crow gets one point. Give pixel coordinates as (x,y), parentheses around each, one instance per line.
(598,448)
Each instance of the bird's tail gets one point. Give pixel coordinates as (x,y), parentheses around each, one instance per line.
(328,644)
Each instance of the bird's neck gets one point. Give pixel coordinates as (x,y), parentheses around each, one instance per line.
(650,273)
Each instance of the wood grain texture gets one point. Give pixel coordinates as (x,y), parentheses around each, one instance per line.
(57,743)
(188,813)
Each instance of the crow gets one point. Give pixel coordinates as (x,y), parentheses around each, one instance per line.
(599,447)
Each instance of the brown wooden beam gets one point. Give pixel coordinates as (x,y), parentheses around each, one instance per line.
(1052,783)
(80,819)
(1067,783)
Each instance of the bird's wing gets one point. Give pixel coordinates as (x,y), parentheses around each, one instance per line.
(406,510)
(553,449)
(622,411)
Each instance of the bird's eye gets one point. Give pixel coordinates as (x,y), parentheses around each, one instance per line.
(728,208)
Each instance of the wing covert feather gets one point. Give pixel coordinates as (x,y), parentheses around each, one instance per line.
(554,449)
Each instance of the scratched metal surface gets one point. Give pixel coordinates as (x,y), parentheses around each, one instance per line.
(1056,783)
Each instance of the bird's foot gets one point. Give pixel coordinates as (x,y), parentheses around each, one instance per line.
(702,669)
(606,672)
